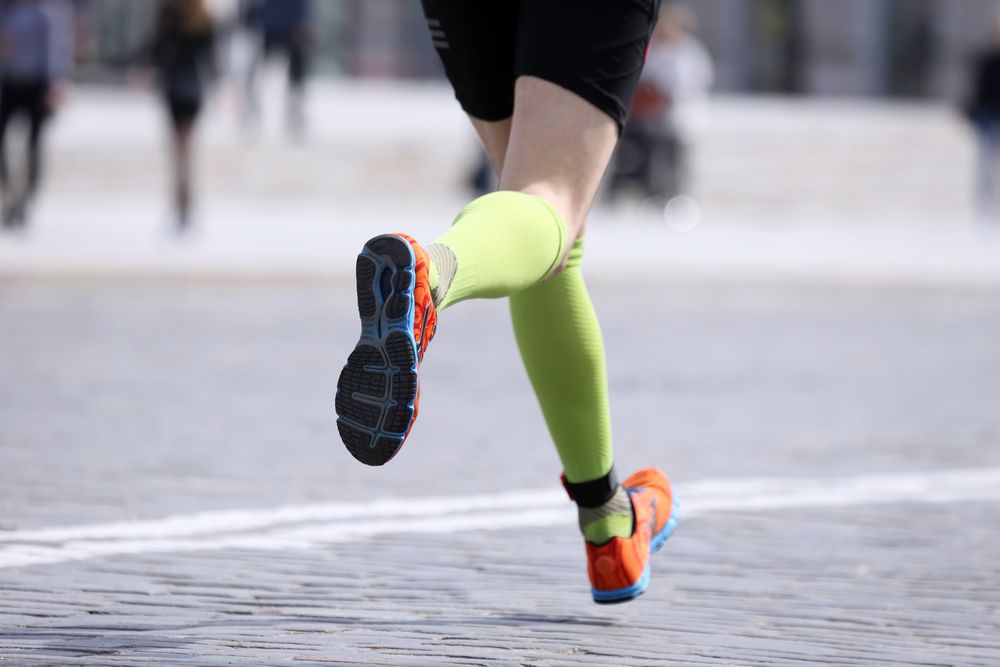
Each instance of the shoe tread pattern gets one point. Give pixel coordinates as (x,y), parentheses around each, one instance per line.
(378,385)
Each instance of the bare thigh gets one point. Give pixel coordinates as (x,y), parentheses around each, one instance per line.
(555,146)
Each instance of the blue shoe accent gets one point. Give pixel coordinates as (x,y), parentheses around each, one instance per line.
(377,389)
(623,594)
(639,587)
(668,529)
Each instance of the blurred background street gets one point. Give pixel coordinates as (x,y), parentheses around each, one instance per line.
(819,371)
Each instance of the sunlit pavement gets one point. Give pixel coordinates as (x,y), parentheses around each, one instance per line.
(149,399)
(173,491)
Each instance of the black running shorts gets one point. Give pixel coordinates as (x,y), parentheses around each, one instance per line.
(594,48)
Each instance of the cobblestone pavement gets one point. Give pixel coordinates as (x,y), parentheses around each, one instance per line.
(126,401)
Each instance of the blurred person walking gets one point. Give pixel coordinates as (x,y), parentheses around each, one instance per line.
(983,111)
(654,149)
(181,50)
(35,59)
(280,27)
(547,87)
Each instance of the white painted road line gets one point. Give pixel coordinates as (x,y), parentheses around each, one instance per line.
(306,526)
(210,523)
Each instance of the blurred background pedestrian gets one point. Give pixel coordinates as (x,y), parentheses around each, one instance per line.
(983,111)
(181,49)
(813,103)
(830,311)
(653,153)
(279,27)
(35,59)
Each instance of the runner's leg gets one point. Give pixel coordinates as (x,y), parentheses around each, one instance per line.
(39,114)
(556,147)
(554,322)
(182,172)
(295,120)
(12,103)
(5,114)
(183,114)
(559,148)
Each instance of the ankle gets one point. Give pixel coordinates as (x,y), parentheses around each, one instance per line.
(614,518)
(443,266)
(605,509)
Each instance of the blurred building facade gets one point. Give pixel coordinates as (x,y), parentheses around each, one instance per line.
(908,48)
(905,48)
(384,38)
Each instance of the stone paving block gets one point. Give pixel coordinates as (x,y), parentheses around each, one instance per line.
(781,603)
(93,440)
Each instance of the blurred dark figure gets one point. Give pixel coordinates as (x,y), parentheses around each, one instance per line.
(983,110)
(35,57)
(652,153)
(182,52)
(482,179)
(280,27)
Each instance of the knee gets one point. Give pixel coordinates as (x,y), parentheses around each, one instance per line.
(572,213)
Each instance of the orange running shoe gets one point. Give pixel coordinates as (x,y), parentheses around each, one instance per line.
(619,569)
(378,393)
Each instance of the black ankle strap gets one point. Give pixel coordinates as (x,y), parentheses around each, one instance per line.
(593,493)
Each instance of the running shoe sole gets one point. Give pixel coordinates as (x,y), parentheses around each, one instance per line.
(639,587)
(377,389)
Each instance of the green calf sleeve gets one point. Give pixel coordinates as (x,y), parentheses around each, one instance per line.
(563,351)
(500,244)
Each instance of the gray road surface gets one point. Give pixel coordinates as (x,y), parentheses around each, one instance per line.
(127,401)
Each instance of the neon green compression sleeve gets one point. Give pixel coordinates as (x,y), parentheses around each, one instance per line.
(500,244)
(506,244)
(563,351)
